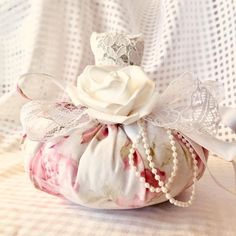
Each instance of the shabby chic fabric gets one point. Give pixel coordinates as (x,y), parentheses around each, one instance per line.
(92,155)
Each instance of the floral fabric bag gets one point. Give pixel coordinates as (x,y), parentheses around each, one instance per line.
(118,143)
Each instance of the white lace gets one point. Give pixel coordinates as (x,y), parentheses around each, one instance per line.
(117,49)
(43,120)
(188,104)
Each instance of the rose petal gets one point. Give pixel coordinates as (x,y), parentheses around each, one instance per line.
(114,94)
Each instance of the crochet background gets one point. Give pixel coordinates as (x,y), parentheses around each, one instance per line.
(41,36)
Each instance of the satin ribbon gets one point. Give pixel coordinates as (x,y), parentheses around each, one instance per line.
(223,149)
(201,155)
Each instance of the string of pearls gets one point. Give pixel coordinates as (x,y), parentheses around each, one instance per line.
(163,187)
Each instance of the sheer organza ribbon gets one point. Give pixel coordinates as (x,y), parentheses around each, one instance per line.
(187,105)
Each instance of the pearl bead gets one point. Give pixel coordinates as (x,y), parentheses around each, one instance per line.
(173,174)
(195,161)
(175,168)
(152,189)
(147,185)
(190,150)
(154,171)
(157,190)
(143,135)
(149,158)
(148,152)
(151,164)
(164,189)
(157,177)
(174,154)
(172,200)
(174,150)
(175,161)
(172,142)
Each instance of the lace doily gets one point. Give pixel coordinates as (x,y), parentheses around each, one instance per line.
(53,119)
(117,48)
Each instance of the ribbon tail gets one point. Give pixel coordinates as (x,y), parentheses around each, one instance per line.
(201,155)
(216,146)
(225,150)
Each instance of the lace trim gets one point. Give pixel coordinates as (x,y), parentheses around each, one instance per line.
(117,49)
(188,104)
(43,120)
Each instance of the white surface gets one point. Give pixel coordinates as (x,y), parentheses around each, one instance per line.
(53,37)
(27,211)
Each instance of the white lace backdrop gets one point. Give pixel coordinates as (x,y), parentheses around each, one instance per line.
(52,36)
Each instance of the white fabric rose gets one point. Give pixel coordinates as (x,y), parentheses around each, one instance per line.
(114,94)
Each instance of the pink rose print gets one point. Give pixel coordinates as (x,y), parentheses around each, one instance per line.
(150,177)
(99,132)
(88,135)
(139,201)
(102,133)
(49,171)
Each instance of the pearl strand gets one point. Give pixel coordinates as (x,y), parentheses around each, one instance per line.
(195,173)
(175,160)
(152,164)
(137,172)
(163,187)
